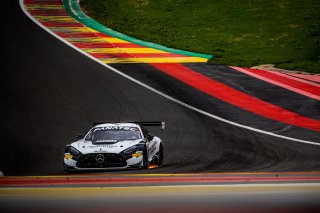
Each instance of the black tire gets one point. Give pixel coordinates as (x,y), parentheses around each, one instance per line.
(145,163)
(65,169)
(160,156)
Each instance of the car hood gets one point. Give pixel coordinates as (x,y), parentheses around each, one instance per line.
(86,147)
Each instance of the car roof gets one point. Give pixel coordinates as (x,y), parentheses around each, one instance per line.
(118,124)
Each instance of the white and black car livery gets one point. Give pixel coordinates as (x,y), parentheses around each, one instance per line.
(115,146)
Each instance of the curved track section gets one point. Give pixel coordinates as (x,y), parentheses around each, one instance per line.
(52,92)
(105,48)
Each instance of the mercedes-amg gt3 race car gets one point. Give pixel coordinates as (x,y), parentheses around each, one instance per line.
(115,146)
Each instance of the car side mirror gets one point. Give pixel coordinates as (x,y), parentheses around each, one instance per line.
(79,136)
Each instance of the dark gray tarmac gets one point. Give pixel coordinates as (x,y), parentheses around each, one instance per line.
(50,93)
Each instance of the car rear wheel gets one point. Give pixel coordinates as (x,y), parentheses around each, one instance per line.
(145,158)
(160,156)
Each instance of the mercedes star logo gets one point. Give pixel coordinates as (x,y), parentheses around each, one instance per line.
(100,158)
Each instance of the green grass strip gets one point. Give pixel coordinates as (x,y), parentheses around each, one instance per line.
(73,9)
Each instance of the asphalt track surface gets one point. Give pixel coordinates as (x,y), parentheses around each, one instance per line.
(51,93)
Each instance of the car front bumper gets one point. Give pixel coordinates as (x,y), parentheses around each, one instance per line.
(72,164)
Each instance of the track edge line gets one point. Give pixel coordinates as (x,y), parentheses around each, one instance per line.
(22,6)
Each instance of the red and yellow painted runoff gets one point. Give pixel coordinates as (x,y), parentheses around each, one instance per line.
(235,97)
(52,15)
(106,185)
(187,178)
(107,49)
(303,87)
(155,190)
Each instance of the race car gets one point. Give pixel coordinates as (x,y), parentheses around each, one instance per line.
(110,145)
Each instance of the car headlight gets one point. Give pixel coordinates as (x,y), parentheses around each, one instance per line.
(133,151)
(71,152)
(130,150)
(74,151)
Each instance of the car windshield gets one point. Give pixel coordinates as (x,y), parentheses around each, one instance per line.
(113,134)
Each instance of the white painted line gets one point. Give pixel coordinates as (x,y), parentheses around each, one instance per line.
(162,94)
(310,95)
(289,75)
(314,79)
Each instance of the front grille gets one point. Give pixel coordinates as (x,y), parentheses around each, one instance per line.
(95,160)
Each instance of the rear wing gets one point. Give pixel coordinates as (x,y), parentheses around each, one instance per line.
(151,123)
(141,123)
